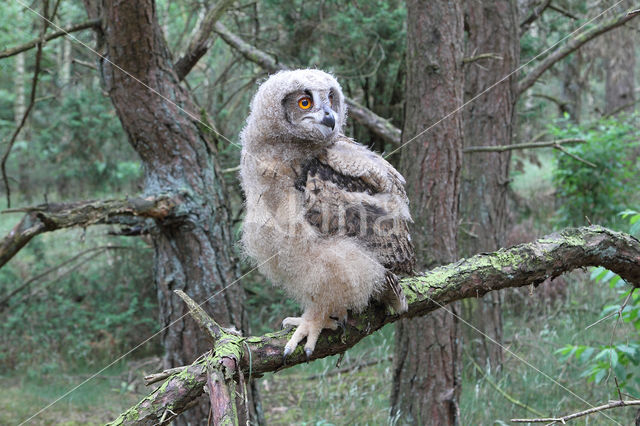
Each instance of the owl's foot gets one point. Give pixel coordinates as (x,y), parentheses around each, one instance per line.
(310,326)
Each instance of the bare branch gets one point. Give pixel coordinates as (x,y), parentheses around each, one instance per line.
(250,52)
(32,102)
(535,14)
(33,43)
(563,12)
(502,148)
(51,217)
(480,57)
(378,125)
(202,39)
(575,157)
(569,47)
(563,419)
(517,266)
(4,301)
(562,104)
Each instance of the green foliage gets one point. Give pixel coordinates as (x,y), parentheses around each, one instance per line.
(85,312)
(597,193)
(621,359)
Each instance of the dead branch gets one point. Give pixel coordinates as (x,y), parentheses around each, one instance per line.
(562,104)
(621,108)
(480,57)
(202,40)
(51,217)
(563,12)
(378,125)
(575,157)
(33,43)
(533,16)
(569,47)
(563,419)
(518,266)
(528,145)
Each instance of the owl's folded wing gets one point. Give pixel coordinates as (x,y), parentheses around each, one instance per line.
(362,197)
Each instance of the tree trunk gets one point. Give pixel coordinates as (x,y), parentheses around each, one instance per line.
(620,66)
(426,384)
(573,84)
(193,252)
(492,27)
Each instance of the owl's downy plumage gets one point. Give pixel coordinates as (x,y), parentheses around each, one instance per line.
(326,218)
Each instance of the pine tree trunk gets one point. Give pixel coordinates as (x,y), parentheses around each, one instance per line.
(620,65)
(426,384)
(193,253)
(492,27)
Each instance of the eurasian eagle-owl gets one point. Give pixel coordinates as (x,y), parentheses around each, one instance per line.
(326,218)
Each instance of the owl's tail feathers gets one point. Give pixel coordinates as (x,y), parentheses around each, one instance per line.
(392,294)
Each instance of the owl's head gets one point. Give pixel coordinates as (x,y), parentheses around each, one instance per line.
(298,106)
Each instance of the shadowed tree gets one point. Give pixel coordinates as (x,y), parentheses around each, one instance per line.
(426,384)
(488,121)
(194,249)
(620,63)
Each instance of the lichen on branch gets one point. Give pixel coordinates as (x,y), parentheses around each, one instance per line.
(521,265)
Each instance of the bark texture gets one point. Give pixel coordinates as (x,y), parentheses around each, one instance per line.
(193,253)
(620,64)
(488,121)
(521,265)
(426,383)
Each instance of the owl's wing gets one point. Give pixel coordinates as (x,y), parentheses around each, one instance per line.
(351,191)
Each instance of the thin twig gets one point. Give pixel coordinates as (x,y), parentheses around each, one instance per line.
(46,272)
(576,42)
(560,102)
(535,14)
(621,108)
(575,157)
(482,56)
(563,12)
(32,101)
(502,391)
(85,64)
(613,333)
(33,43)
(502,148)
(563,419)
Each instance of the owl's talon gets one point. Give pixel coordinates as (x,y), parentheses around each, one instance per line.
(287,352)
(308,352)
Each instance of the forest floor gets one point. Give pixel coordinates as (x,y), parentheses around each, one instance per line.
(320,393)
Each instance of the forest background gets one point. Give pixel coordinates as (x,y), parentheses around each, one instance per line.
(74,300)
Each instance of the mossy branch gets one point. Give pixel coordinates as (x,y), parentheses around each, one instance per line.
(521,265)
(54,216)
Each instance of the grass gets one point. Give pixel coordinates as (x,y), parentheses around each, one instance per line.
(96,402)
(311,394)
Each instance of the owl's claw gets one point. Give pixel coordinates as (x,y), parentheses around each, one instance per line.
(287,352)
(309,326)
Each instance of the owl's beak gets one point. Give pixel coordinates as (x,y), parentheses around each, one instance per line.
(329,118)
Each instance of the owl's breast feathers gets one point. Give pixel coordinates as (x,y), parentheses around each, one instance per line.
(351,191)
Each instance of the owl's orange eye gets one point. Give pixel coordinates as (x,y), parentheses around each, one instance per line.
(305,103)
